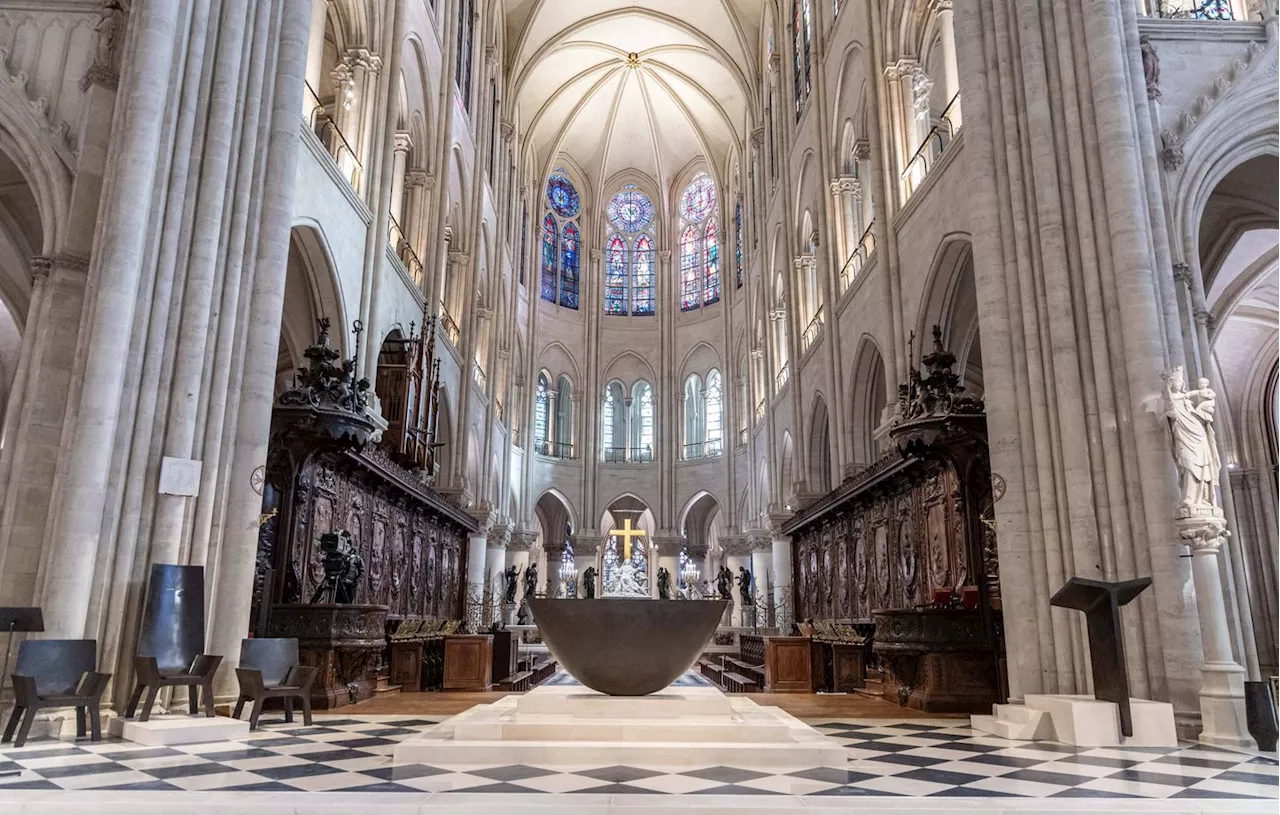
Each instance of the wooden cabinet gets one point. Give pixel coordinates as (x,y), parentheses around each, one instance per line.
(406,664)
(506,655)
(788,665)
(848,668)
(468,662)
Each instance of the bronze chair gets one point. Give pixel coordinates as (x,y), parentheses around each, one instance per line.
(57,673)
(171,645)
(269,669)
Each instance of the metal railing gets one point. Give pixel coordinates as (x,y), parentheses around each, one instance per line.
(760,411)
(935,143)
(742,437)
(554,449)
(703,449)
(858,258)
(450,327)
(404,250)
(321,123)
(628,455)
(813,331)
(478,374)
(784,376)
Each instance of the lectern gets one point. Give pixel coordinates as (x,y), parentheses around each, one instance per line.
(1100,601)
(17,620)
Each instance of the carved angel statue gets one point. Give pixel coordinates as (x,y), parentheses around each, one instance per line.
(1195,447)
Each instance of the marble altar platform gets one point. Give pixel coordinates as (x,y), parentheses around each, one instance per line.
(557,725)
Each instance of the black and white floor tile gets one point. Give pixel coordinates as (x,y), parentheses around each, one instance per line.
(913,759)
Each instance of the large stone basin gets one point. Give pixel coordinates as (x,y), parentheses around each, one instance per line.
(626,646)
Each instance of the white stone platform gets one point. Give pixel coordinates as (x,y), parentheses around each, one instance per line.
(569,725)
(179,728)
(1082,721)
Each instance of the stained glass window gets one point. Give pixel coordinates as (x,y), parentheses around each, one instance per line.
(737,243)
(562,196)
(615,277)
(642,277)
(802,59)
(714,419)
(569,267)
(699,199)
(689,288)
(549,231)
(630,210)
(711,289)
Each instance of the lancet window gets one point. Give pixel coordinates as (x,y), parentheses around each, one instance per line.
(561,242)
(699,244)
(802,59)
(629,254)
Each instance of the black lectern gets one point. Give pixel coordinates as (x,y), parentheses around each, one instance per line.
(1101,601)
(17,620)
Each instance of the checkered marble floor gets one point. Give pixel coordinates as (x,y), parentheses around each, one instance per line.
(913,758)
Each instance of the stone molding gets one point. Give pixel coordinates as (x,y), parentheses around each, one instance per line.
(521,540)
(41,265)
(735,545)
(668,546)
(584,545)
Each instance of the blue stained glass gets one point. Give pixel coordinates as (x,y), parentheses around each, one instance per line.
(737,242)
(630,210)
(689,289)
(569,267)
(549,231)
(615,277)
(642,277)
(711,291)
(699,198)
(562,196)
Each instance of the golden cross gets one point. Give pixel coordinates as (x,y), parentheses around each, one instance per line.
(627,533)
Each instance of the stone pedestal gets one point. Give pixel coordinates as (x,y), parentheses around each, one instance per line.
(342,641)
(1082,721)
(678,727)
(174,728)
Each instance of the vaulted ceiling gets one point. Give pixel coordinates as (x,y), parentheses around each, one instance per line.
(648,85)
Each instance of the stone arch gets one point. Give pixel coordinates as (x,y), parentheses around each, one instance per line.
(819,458)
(950,301)
(312,291)
(868,398)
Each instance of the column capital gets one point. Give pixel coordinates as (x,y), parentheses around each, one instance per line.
(461,258)
(404,142)
(521,540)
(802,262)
(733,545)
(668,546)
(1205,318)
(1182,273)
(862,149)
(664,255)
(500,535)
(757,137)
(901,67)
(939,6)
(41,265)
(596,255)
(364,58)
(585,544)
(1203,528)
(760,540)
(507,129)
(419,177)
(491,57)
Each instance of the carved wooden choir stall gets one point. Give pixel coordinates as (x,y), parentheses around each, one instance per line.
(906,545)
(402,550)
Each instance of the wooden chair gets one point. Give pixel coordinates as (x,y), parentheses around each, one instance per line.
(57,673)
(269,669)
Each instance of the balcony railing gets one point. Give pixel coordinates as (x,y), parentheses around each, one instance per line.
(321,123)
(742,437)
(703,449)
(784,376)
(450,327)
(404,251)
(813,331)
(933,146)
(497,403)
(478,374)
(858,258)
(625,455)
(1193,9)
(554,449)
(760,411)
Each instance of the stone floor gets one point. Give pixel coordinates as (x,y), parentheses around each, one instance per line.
(343,764)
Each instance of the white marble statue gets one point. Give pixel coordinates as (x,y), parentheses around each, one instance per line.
(1195,448)
(626,581)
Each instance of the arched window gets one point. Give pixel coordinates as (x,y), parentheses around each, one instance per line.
(629,254)
(569,267)
(560,272)
(693,417)
(801,59)
(615,277)
(699,244)
(524,236)
(713,422)
(641,422)
(711,269)
(613,424)
(549,234)
(564,418)
(542,415)
(466,39)
(737,243)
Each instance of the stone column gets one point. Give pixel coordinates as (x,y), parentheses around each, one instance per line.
(867,213)
(762,576)
(473,600)
(667,550)
(123,238)
(399,165)
(697,552)
(847,190)
(1222,709)
(783,598)
(950,69)
(518,556)
(551,577)
(315,43)
(586,555)
(495,560)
